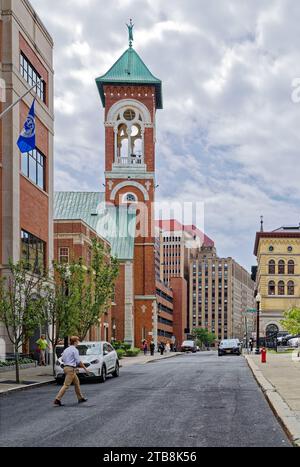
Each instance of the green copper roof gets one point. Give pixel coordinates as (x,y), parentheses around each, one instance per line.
(116,225)
(130,69)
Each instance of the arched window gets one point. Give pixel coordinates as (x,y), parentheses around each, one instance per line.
(129,198)
(281,288)
(291,267)
(281,267)
(129,137)
(291,288)
(272,330)
(272,267)
(271,288)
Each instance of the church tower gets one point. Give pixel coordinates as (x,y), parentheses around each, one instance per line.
(130,95)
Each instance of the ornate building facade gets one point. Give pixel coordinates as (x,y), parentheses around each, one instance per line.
(278,275)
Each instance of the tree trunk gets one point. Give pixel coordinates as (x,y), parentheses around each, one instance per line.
(53,358)
(17,364)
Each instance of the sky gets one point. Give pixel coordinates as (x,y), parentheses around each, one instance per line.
(228,136)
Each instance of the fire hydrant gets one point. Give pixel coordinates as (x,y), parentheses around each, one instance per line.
(263,355)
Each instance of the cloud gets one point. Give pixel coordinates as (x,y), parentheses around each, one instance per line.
(228,134)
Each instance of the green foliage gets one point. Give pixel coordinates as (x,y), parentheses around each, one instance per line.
(92,287)
(132,352)
(22,361)
(120,353)
(121,345)
(203,337)
(291,321)
(22,300)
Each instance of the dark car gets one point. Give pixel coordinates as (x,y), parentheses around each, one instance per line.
(189,346)
(229,346)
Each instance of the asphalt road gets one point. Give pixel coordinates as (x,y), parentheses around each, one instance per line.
(192,400)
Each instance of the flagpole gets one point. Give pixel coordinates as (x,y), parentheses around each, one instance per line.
(15,103)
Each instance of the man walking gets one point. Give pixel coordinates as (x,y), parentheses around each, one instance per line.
(71,361)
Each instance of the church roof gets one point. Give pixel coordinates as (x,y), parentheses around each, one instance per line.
(130,69)
(116,224)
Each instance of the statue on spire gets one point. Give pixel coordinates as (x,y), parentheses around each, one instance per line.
(130,27)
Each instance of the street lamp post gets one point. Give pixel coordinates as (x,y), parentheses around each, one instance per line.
(258,300)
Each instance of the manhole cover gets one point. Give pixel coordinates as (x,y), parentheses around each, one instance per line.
(9,381)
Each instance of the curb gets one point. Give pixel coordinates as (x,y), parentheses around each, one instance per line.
(163,358)
(29,386)
(281,410)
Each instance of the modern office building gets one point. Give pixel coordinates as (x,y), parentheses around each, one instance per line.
(219,294)
(26,191)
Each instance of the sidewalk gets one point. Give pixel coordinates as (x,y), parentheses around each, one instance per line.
(40,376)
(279,379)
(36,376)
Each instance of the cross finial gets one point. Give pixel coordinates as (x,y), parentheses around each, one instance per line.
(261,223)
(130,27)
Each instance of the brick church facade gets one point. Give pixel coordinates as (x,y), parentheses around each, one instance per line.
(124,214)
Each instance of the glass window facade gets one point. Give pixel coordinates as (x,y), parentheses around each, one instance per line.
(33,252)
(34,167)
(32,77)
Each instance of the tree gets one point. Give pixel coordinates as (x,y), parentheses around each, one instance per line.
(22,298)
(80,295)
(59,308)
(203,337)
(291,321)
(94,286)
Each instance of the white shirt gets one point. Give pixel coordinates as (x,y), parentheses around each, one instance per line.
(70,356)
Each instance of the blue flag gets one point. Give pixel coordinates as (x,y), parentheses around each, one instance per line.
(26,141)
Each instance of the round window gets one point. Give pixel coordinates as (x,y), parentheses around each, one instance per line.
(129,115)
(290,248)
(271,248)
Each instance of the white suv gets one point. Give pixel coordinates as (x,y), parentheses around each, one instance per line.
(100,358)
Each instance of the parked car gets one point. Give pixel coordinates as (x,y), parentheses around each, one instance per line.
(189,346)
(286,338)
(100,358)
(294,342)
(230,346)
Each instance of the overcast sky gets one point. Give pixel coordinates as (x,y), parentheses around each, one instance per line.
(229,132)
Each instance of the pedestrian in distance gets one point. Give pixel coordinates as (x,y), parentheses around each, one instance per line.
(161,348)
(71,360)
(168,347)
(152,348)
(42,345)
(251,345)
(145,347)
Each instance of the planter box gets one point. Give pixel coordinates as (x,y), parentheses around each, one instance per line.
(3,369)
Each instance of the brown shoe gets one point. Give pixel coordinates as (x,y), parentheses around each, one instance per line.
(58,403)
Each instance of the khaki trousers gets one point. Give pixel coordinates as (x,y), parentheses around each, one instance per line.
(70,377)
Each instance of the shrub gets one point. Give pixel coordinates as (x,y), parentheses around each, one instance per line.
(22,361)
(132,352)
(120,353)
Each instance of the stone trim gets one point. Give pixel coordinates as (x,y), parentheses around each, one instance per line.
(129,183)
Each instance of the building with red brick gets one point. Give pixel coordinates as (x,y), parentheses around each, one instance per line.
(26,58)
(73,240)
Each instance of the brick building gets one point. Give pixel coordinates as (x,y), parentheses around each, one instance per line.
(174,243)
(123,215)
(73,240)
(220,292)
(26,54)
